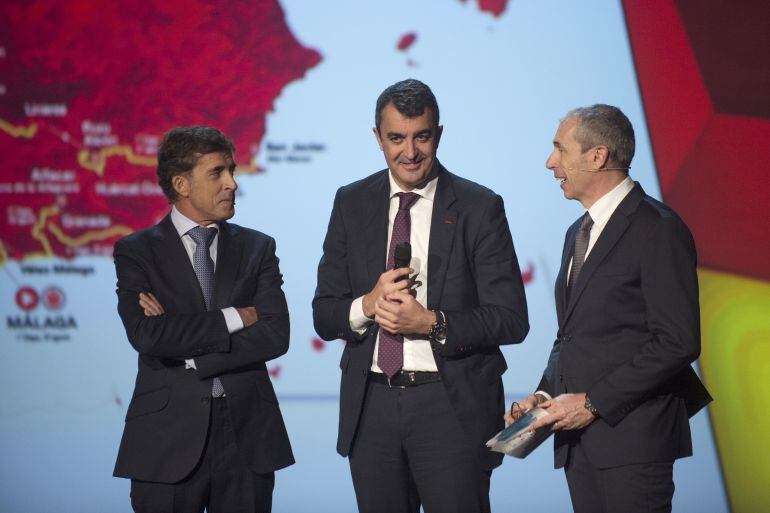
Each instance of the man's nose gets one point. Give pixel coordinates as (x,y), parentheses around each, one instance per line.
(229,181)
(411,149)
(550,163)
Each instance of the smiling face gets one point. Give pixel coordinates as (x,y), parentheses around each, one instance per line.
(576,170)
(207,192)
(409,145)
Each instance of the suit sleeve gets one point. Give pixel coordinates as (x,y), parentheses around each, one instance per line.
(669,284)
(551,374)
(175,336)
(333,294)
(501,317)
(266,339)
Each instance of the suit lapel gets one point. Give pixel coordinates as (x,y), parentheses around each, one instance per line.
(561,278)
(442,231)
(173,263)
(375,211)
(229,251)
(616,226)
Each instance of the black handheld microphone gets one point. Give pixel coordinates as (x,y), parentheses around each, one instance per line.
(402,255)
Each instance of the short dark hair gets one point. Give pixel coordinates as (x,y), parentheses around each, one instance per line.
(180,150)
(410,97)
(608,126)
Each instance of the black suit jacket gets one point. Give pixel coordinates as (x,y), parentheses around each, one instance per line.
(473,277)
(627,336)
(167,419)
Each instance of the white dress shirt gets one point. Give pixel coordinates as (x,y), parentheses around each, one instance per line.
(183,225)
(418,354)
(602,210)
(600,213)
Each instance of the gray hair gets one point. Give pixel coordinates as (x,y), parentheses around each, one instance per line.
(608,126)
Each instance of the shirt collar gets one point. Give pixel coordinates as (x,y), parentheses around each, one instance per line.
(602,210)
(428,192)
(184,224)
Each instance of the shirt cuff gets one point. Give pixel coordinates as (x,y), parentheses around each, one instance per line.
(232,319)
(544,394)
(190,364)
(358,321)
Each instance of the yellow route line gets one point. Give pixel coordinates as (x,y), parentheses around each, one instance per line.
(98,165)
(37,228)
(42,222)
(88,236)
(26,132)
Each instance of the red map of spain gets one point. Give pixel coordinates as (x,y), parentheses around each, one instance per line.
(87,89)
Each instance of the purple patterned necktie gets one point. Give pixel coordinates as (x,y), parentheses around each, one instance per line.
(204,270)
(390,355)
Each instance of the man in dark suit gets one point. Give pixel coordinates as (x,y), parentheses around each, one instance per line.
(202,304)
(421,370)
(618,387)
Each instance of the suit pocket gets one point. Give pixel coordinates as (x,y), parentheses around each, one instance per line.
(494,370)
(149,402)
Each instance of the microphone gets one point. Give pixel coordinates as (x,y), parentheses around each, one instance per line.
(402,255)
(626,169)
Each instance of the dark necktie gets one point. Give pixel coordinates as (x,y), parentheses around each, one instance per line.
(204,270)
(390,355)
(579,255)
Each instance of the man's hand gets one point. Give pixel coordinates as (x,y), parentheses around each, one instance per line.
(566,411)
(248,315)
(386,284)
(400,313)
(520,408)
(150,304)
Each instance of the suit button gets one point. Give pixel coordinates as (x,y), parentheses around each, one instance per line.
(205,400)
(365,372)
(561,377)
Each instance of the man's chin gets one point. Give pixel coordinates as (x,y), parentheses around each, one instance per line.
(226,213)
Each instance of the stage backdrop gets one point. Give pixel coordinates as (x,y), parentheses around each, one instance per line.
(87,89)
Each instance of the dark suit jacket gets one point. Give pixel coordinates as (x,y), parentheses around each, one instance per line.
(627,336)
(167,419)
(473,277)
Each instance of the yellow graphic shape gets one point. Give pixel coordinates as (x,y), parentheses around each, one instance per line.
(38,233)
(37,230)
(735,363)
(87,237)
(25,132)
(87,161)
(3,254)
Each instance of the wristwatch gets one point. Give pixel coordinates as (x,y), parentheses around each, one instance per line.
(438,329)
(590,407)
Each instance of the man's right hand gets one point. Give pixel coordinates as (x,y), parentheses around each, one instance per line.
(248,315)
(520,408)
(389,282)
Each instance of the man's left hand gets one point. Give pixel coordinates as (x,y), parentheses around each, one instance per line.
(399,312)
(150,304)
(566,411)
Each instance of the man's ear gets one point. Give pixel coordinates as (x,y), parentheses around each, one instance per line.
(377,135)
(439,131)
(181,185)
(600,157)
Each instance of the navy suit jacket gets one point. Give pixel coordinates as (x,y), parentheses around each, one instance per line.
(168,417)
(627,337)
(473,277)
